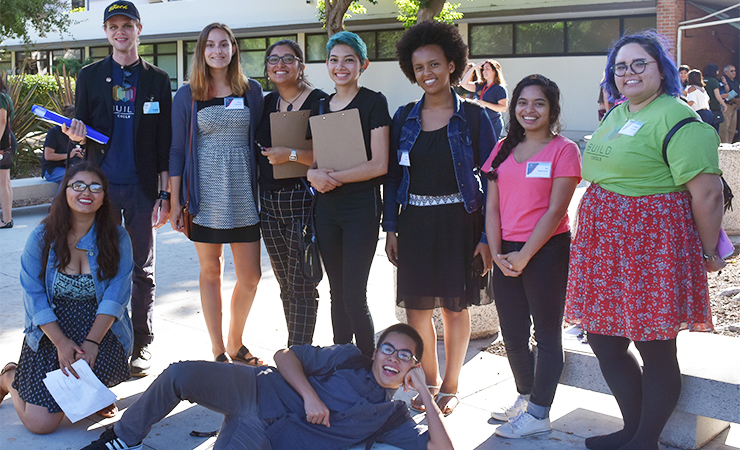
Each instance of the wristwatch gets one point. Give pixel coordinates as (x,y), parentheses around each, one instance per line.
(164,195)
(293,155)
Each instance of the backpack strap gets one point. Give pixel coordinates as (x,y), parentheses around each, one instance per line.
(673,131)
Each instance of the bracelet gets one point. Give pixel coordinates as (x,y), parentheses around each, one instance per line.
(709,257)
(164,195)
(90,340)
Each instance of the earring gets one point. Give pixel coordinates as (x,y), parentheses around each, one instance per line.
(362,70)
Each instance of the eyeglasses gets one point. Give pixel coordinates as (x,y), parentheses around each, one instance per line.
(286,59)
(638,66)
(127,72)
(403,354)
(80,186)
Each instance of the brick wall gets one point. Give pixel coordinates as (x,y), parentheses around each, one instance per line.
(716,44)
(670,13)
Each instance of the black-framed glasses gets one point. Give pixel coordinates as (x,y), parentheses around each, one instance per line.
(127,72)
(80,186)
(638,66)
(403,354)
(286,59)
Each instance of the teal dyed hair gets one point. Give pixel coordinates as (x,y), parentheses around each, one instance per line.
(350,39)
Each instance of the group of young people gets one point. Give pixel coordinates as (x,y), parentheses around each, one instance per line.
(714,96)
(456,203)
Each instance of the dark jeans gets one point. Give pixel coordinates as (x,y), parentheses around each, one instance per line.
(347,232)
(130,202)
(537,295)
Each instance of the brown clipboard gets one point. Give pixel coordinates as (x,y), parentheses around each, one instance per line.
(337,140)
(288,129)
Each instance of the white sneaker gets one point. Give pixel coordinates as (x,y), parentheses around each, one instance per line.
(504,413)
(524,425)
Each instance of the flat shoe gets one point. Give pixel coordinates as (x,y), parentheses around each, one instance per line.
(8,366)
(447,410)
(108,412)
(241,356)
(420,408)
(4,224)
(223,357)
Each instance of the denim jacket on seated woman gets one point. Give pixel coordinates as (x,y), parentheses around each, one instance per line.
(469,182)
(113,294)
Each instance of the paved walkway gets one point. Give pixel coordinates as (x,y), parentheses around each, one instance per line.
(181,334)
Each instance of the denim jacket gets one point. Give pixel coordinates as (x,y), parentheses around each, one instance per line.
(113,294)
(403,137)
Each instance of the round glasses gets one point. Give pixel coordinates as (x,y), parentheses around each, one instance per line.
(403,354)
(80,186)
(638,66)
(286,59)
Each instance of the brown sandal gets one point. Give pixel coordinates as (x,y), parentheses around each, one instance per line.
(9,366)
(108,412)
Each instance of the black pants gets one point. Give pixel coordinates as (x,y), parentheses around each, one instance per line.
(347,232)
(537,295)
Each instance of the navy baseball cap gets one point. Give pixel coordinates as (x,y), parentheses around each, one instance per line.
(123,8)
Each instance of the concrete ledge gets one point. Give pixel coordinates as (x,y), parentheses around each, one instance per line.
(729,162)
(29,188)
(710,392)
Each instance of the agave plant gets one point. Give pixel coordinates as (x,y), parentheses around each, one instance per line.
(65,93)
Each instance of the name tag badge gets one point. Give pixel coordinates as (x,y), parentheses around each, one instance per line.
(405,160)
(151,107)
(234,102)
(631,127)
(538,169)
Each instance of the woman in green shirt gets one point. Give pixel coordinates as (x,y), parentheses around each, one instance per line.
(716,101)
(7,149)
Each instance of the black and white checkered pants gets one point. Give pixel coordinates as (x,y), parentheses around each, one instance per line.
(280,214)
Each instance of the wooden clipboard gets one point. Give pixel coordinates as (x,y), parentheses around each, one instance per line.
(288,129)
(337,140)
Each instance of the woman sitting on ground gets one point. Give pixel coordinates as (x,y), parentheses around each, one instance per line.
(76,277)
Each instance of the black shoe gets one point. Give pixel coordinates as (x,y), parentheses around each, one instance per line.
(108,440)
(6,224)
(141,361)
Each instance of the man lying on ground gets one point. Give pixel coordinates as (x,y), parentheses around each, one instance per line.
(318,398)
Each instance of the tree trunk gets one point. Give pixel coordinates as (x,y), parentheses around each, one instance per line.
(335,11)
(428,9)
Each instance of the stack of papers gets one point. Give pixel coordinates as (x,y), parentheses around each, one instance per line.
(81,397)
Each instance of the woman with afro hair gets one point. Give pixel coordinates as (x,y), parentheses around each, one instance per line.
(437,240)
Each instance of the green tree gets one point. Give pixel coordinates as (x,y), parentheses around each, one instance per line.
(19,19)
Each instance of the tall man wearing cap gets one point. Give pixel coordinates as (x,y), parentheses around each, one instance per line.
(130,101)
(727,128)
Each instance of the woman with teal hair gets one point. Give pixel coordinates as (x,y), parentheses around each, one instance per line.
(348,204)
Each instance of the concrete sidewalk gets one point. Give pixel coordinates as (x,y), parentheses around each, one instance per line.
(181,334)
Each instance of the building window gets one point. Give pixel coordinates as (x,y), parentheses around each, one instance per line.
(163,56)
(98,53)
(381,45)
(5,63)
(553,38)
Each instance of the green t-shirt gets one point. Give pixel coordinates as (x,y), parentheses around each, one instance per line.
(7,104)
(634,166)
(710,85)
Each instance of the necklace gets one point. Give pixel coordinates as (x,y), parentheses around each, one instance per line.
(290,103)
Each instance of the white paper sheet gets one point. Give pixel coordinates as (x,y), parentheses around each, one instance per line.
(81,397)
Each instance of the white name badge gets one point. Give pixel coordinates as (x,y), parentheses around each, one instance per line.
(539,169)
(151,107)
(631,127)
(405,160)
(234,102)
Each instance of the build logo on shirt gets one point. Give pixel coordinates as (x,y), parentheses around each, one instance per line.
(123,102)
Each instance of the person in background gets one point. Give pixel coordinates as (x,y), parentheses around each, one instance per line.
(434,178)
(130,101)
(697,96)
(604,104)
(714,88)
(491,92)
(348,206)
(7,151)
(641,213)
(286,203)
(683,75)
(213,172)
(533,173)
(76,277)
(729,126)
(58,149)
(461,91)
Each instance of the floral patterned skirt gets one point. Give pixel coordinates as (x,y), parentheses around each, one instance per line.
(636,267)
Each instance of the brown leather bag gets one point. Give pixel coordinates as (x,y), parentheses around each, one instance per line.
(187,216)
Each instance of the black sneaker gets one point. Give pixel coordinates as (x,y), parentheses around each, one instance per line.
(141,361)
(109,441)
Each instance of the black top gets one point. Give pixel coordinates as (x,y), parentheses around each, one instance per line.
(373,108)
(432,171)
(61,144)
(266,179)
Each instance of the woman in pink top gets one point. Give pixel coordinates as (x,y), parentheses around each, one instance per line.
(533,173)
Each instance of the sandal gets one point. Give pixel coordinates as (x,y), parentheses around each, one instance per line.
(9,366)
(420,408)
(108,412)
(447,410)
(224,358)
(6,224)
(241,356)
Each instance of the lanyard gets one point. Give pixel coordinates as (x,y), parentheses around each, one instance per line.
(485,89)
